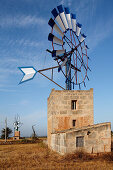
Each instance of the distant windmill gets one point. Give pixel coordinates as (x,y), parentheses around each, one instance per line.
(17,124)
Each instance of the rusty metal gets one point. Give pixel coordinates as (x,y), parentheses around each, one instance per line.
(48,68)
(73,67)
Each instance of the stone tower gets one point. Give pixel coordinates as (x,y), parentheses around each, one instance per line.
(69,109)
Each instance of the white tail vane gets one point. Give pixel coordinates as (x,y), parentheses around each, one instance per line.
(78,29)
(55,27)
(58,19)
(68,16)
(73,16)
(57,52)
(62,15)
(54,39)
(28,72)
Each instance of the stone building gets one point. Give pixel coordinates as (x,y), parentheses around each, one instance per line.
(16,135)
(71,123)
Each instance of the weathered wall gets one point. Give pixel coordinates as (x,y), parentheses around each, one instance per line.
(60,113)
(16,135)
(97,138)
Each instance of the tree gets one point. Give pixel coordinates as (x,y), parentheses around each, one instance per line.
(8,132)
(34,136)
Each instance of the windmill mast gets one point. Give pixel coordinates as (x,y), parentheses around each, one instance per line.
(68,74)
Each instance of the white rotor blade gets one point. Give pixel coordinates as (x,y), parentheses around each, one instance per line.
(57,52)
(63,64)
(68,16)
(78,29)
(73,16)
(62,15)
(82,37)
(55,27)
(55,39)
(58,19)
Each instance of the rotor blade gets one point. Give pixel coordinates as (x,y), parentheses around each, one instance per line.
(58,19)
(68,16)
(86,46)
(55,27)
(61,66)
(73,17)
(82,38)
(62,15)
(49,51)
(54,39)
(57,52)
(28,73)
(78,29)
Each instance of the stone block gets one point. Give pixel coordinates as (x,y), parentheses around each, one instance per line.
(63,112)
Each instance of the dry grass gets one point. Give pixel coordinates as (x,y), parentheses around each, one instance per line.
(38,156)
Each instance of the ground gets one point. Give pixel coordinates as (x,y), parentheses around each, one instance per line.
(38,156)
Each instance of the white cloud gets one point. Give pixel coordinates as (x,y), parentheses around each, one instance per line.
(21,21)
(25,43)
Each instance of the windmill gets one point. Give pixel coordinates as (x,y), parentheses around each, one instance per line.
(69,50)
(17,124)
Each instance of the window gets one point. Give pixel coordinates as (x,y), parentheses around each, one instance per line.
(73,104)
(80,141)
(74,123)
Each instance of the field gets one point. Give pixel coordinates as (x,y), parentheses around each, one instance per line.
(38,156)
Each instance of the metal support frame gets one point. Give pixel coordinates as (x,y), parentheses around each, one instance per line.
(51,79)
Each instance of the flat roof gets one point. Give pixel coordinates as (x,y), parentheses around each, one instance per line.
(83,128)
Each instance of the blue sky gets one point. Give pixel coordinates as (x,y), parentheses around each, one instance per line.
(23,42)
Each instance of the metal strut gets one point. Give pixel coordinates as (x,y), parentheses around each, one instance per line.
(51,79)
